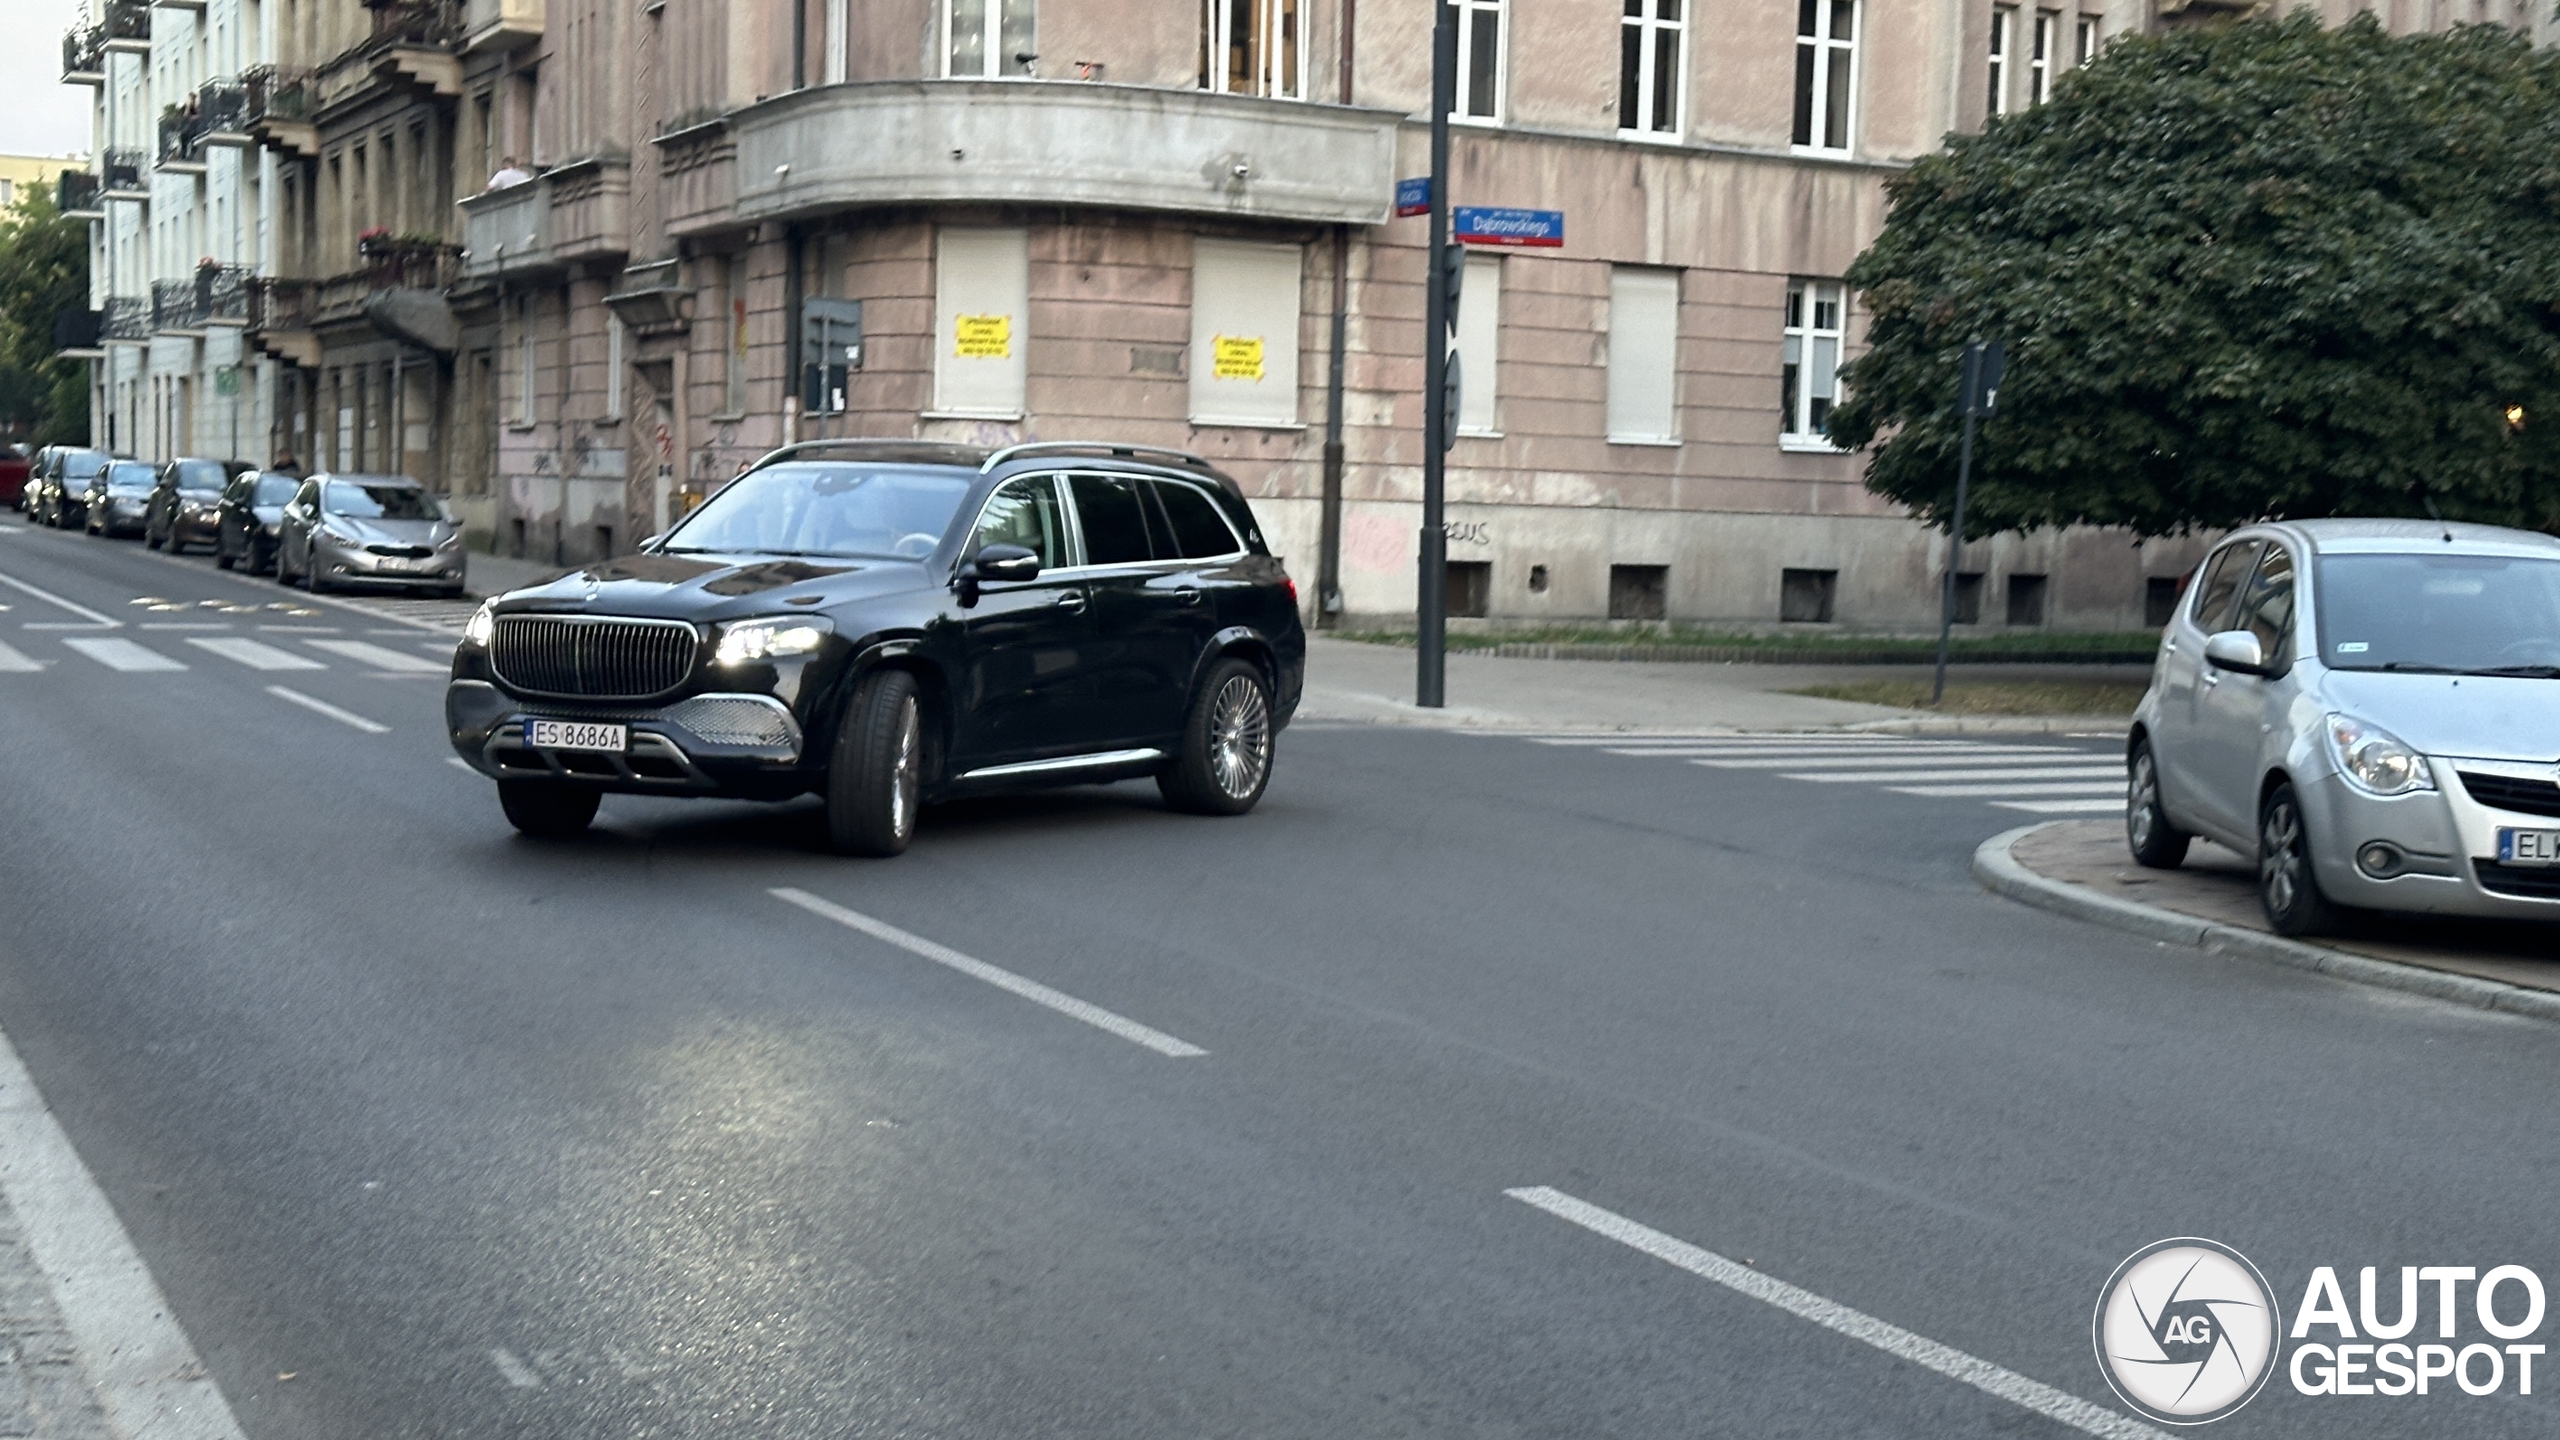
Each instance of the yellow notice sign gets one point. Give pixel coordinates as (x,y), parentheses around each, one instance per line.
(1236,357)
(985,337)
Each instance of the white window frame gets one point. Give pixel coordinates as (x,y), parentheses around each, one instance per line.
(1217,38)
(2004,30)
(2040,56)
(1652,31)
(993,62)
(1823,44)
(2086,37)
(1801,327)
(1472,13)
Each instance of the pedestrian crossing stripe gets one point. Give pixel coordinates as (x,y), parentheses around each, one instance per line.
(2024,774)
(120,654)
(1895,757)
(2031,772)
(255,655)
(380,658)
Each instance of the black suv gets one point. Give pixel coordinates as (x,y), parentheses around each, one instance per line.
(889,623)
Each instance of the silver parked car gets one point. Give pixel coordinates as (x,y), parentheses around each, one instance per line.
(2371,709)
(369,530)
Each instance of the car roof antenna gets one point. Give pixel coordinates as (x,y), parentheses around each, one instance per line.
(2430,502)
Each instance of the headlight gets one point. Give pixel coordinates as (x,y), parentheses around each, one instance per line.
(482,628)
(752,640)
(450,541)
(2374,760)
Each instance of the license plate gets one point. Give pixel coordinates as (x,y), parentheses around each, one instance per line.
(2529,847)
(576,735)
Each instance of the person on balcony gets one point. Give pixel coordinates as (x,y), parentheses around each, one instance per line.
(509,173)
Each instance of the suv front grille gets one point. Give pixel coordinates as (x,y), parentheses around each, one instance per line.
(2511,792)
(592,659)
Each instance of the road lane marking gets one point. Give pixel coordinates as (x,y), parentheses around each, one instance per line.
(1764,759)
(1892,1339)
(1914,777)
(2051,787)
(1031,990)
(2064,807)
(134,1354)
(1844,740)
(254,655)
(103,622)
(120,654)
(1870,762)
(366,653)
(323,707)
(16,662)
(518,1373)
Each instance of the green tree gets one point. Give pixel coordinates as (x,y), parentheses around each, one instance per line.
(2258,270)
(44,270)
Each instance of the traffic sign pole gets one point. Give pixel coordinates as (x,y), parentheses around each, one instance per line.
(1983,364)
(1431,598)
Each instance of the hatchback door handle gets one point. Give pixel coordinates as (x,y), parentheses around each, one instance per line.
(1072,600)
(1187,596)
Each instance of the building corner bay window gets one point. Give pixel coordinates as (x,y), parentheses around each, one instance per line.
(1253,47)
(1826,72)
(1809,383)
(987,39)
(1652,41)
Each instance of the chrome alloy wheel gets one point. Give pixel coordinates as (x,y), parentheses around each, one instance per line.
(2281,876)
(906,780)
(1239,737)
(2142,813)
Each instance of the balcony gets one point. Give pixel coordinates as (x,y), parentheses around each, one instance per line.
(84,56)
(489,26)
(222,114)
(181,145)
(222,294)
(414,43)
(569,215)
(128,27)
(1017,142)
(280,320)
(177,308)
(275,110)
(75,334)
(698,178)
(127,317)
(121,174)
(75,194)
(399,291)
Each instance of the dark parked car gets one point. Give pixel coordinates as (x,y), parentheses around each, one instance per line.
(117,497)
(369,530)
(888,624)
(252,510)
(61,486)
(184,502)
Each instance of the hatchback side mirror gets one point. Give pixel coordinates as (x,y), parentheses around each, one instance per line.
(1002,562)
(2235,650)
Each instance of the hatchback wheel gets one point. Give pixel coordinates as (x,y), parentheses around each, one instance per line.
(1226,744)
(548,809)
(2156,844)
(875,780)
(2287,885)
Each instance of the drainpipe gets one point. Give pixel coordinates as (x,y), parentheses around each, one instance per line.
(792,284)
(1329,532)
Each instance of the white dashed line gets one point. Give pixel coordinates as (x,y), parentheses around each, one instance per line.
(249,652)
(323,707)
(121,654)
(103,622)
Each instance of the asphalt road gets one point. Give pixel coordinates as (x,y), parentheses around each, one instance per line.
(471,1135)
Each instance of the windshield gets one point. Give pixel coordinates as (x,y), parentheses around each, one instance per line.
(2444,613)
(81,464)
(275,490)
(130,475)
(811,508)
(200,475)
(380,502)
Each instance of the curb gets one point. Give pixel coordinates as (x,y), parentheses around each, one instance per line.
(1999,872)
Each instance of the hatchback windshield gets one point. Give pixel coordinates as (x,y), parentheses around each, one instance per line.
(275,490)
(130,475)
(2457,613)
(380,502)
(200,475)
(841,511)
(81,464)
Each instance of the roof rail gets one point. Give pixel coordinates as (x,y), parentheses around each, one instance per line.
(930,450)
(1154,453)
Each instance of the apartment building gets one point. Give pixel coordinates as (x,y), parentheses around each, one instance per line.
(577,261)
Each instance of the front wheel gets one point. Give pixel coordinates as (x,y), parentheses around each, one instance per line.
(2287,885)
(1225,760)
(548,809)
(875,781)
(2156,844)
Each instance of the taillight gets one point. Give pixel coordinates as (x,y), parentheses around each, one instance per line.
(1292,586)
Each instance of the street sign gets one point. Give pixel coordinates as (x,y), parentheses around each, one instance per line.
(1413,197)
(1489,225)
(1984,361)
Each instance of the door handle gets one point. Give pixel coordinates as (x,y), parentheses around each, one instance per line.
(1072,601)
(1187,596)
(2212,678)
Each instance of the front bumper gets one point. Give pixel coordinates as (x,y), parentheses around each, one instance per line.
(2449,841)
(740,745)
(356,565)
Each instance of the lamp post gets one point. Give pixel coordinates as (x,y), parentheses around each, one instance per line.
(1431,600)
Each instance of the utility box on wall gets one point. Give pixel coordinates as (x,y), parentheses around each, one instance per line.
(830,351)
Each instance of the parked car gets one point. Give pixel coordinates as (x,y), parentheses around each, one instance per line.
(116,497)
(368,530)
(62,485)
(2368,708)
(888,624)
(15,466)
(246,524)
(184,501)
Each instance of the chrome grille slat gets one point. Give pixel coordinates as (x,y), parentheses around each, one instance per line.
(599,659)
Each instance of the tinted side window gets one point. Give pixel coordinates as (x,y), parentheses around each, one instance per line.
(2267,609)
(1199,531)
(1024,511)
(2222,576)
(309,496)
(1115,523)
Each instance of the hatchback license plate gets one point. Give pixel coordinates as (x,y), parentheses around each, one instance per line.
(2529,847)
(576,735)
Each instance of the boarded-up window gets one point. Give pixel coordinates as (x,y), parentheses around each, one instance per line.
(981,309)
(1244,333)
(1479,344)
(1644,345)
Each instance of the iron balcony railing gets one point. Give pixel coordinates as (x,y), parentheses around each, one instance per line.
(398,264)
(222,108)
(75,190)
(416,22)
(177,144)
(122,169)
(128,19)
(274,92)
(222,294)
(127,317)
(84,51)
(176,305)
(76,329)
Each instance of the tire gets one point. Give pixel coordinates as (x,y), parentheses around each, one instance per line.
(1225,762)
(2288,885)
(2156,844)
(548,809)
(875,779)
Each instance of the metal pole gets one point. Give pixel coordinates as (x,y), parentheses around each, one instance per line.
(1329,521)
(1431,619)
(1955,532)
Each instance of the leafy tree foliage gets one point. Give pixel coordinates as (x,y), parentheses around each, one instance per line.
(2258,270)
(44,270)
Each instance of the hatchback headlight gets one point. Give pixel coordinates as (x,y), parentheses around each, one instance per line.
(752,640)
(2374,760)
(482,627)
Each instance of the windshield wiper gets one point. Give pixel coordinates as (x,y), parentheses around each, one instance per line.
(2527,672)
(2412,667)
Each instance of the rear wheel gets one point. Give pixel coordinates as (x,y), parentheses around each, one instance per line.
(1226,744)
(2287,885)
(2156,844)
(548,809)
(875,780)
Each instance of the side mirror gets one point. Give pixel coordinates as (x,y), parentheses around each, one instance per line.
(2235,650)
(1002,562)
(649,545)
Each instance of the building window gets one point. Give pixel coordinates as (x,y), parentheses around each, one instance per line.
(1469,589)
(1252,47)
(2003,20)
(1809,372)
(984,39)
(1826,72)
(2026,600)
(1652,49)
(1805,597)
(1244,333)
(1480,60)
(1968,597)
(2084,45)
(1479,345)
(733,348)
(1644,355)
(982,298)
(524,376)
(2040,58)
(1639,592)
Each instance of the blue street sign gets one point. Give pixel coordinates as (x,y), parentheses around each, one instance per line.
(1413,197)
(1486,225)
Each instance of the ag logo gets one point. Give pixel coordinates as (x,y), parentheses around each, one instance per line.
(2186,1331)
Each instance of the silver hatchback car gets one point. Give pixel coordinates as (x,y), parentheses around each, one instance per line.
(2371,709)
